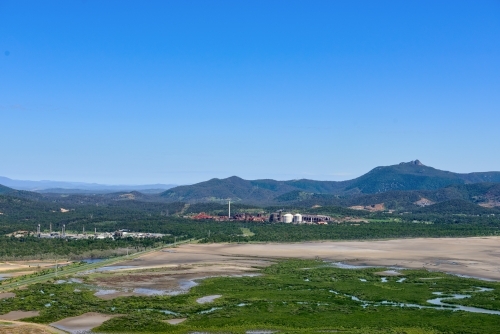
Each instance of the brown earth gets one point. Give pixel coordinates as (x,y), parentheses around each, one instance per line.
(16,315)
(479,257)
(5,295)
(81,323)
(371,208)
(18,327)
(24,267)
(171,272)
(175,321)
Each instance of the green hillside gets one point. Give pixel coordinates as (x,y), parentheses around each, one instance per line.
(5,190)
(457,206)
(410,176)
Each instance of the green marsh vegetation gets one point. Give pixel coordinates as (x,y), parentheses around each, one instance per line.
(293,296)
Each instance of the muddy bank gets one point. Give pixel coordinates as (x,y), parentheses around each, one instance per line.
(82,323)
(5,295)
(478,257)
(16,315)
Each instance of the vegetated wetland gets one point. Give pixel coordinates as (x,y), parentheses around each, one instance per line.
(242,291)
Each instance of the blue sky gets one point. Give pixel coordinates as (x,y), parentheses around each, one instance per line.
(183,91)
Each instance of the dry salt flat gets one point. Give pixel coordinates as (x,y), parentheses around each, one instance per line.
(175,321)
(16,315)
(207,299)
(82,323)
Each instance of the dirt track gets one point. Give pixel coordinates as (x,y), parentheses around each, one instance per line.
(479,257)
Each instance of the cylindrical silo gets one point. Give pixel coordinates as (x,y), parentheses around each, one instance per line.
(297,218)
(287,218)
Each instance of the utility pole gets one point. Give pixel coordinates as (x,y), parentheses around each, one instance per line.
(50,228)
(56,267)
(229,214)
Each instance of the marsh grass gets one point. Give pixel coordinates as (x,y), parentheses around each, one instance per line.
(293,296)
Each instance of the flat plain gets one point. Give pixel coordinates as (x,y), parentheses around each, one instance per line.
(475,257)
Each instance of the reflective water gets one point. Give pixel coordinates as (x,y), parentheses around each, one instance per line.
(349,266)
(149,292)
(210,310)
(440,302)
(92,260)
(105,292)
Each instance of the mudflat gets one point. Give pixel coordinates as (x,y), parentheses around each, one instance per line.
(18,327)
(5,295)
(16,315)
(477,257)
(84,322)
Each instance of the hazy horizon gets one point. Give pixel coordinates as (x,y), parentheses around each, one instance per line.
(182,92)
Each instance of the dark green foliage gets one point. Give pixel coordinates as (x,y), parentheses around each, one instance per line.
(294,296)
(214,208)
(404,176)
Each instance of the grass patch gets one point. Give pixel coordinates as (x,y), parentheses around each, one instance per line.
(293,296)
(246,232)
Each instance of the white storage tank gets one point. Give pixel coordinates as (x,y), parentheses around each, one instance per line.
(297,218)
(287,218)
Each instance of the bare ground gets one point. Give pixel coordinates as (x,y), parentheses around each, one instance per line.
(478,257)
(171,272)
(5,295)
(16,315)
(18,327)
(81,323)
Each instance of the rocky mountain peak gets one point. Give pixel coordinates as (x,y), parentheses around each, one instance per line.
(414,162)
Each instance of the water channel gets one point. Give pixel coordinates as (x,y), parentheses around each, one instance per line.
(440,302)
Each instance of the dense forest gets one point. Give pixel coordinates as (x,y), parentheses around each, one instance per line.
(455,215)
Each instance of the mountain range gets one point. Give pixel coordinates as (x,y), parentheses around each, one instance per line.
(409,186)
(46,186)
(403,177)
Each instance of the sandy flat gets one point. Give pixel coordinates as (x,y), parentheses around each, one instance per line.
(207,299)
(170,273)
(5,295)
(84,322)
(16,315)
(175,321)
(19,327)
(478,256)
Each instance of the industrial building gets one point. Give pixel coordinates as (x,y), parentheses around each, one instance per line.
(280,217)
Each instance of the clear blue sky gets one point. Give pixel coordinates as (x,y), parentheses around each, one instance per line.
(183,91)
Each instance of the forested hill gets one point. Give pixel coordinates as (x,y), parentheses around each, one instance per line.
(402,177)
(5,190)
(19,193)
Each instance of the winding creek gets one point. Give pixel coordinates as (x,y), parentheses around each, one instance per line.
(440,302)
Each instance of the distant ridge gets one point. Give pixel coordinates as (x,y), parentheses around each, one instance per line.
(79,187)
(405,176)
